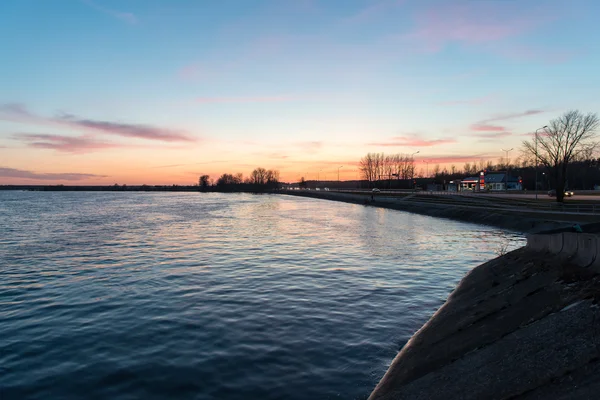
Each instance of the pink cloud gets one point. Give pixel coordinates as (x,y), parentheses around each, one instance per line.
(17,112)
(196,72)
(64,176)
(310,145)
(414,141)
(490,130)
(265,99)
(473,22)
(492,135)
(70,144)
(487,128)
(503,117)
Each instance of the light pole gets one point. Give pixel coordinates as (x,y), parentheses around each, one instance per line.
(412,159)
(339,172)
(507,168)
(536,159)
(427,162)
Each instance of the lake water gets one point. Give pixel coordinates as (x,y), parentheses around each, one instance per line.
(217,296)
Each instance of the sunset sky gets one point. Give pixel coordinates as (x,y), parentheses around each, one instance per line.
(161,91)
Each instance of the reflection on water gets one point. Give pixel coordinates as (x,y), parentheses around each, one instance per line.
(213,296)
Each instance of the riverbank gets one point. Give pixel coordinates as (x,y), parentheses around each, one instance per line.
(479,211)
(525,325)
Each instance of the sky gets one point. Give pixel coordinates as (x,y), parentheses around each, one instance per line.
(162,91)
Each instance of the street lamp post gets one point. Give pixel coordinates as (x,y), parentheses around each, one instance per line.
(412,159)
(507,168)
(339,172)
(412,168)
(536,158)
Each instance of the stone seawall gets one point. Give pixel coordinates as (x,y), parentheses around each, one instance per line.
(522,326)
(582,249)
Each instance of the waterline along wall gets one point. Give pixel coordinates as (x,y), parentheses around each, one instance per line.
(525,325)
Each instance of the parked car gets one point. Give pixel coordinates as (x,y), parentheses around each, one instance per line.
(375,190)
(568,193)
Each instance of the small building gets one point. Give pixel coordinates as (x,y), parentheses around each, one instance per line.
(493,182)
(502,182)
(469,183)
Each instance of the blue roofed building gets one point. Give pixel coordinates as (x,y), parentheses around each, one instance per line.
(502,181)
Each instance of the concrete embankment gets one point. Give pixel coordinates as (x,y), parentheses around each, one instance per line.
(525,325)
(461,209)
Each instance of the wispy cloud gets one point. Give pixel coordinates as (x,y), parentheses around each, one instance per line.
(482,127)
(473,22)
(260,99)
(310,146)
(70,144)
(19,113)
(503,117)
(492,135)
(14,109)
(127,17)
(414,141)
(24,174)
(489,129)
(197,72)
(127,130)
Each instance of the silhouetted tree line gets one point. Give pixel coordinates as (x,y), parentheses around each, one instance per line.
(97,188)
(375,167)
(561,156)
(260,180)
(582,175)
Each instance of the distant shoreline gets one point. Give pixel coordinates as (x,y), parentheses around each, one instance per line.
(133,188)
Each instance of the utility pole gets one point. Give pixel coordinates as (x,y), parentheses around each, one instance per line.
(412,159)
(536,159)
(507,168)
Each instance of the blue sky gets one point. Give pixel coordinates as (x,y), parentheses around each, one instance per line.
(148,91)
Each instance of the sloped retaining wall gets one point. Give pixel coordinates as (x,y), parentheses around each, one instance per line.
(581,248)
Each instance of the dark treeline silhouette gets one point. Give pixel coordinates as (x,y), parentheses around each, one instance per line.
(260,180)
(582,175)
(97,188)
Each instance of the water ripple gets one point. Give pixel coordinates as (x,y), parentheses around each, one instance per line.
(208,296)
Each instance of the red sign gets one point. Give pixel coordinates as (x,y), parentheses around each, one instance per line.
(481,180)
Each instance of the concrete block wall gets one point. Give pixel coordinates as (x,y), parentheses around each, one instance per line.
(581,248)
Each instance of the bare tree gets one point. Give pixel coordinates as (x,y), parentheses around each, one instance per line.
(470,169)
(371,166)
(259,176)
(367,167)
(566,138)
(203,181)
